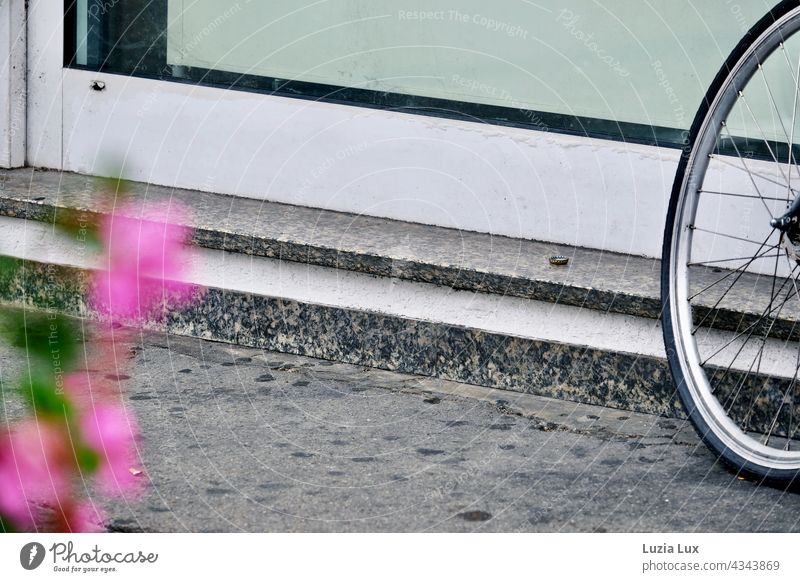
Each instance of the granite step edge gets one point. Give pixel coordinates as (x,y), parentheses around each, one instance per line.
(551,289)
(603,376)
(390,342)
(637,278)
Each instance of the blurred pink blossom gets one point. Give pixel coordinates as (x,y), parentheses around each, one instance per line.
(111,432)
(78,388)
(146,257)
(83,518)
(34,466)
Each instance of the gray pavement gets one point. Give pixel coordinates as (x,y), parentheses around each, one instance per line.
(238,439)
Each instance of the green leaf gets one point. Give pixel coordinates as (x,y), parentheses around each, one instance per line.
(113,190)
(8,268)
(9,264)
(6,525)
(41,393)
(81,226)
(88,459)
(118,186)
(50,338)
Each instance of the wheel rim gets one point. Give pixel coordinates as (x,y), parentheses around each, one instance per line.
(705,280)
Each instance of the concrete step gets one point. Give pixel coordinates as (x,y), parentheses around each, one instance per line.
(454,305)
(376,246)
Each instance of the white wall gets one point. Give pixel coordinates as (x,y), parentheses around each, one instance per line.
(44,66)
(506,181)
(13,99)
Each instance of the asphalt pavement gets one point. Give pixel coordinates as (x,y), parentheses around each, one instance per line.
(238,439)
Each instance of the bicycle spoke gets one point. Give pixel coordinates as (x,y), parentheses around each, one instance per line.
(790,157)
(758,355)
(749,173)
(756,395)
(718,261)
(789,140)
(744,423)
(763,134)
(722,160)
(731,236)
(752,326)
(791,384)
(788,394)
(739,269)
(789,389)
(735,195)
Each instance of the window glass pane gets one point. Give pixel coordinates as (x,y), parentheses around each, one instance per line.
(574,65)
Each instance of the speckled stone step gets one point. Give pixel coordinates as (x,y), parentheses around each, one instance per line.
(461,260)
(387,248)
(587,332)
(568,371)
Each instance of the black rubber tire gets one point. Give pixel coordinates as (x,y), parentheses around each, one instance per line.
(784,479)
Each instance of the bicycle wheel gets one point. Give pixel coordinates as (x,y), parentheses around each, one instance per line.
(731,257)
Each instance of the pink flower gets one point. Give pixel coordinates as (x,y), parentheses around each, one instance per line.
(106,359)
(146,257)
(111,433)
(84,518)
(34,466)
(78,388)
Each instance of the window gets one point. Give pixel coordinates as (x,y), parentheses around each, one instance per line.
(616,69)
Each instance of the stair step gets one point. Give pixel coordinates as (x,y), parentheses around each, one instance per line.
(452,258)
(462,306)
(556,369)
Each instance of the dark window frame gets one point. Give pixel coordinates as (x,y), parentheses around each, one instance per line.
(534,120)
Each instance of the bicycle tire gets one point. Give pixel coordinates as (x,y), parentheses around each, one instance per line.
(706,388)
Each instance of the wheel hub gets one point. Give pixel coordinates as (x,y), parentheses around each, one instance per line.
(790,242)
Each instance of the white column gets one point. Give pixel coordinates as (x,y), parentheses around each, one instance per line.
(13,92)
(45,76)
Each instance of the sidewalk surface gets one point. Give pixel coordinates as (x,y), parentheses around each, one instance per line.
(243,440)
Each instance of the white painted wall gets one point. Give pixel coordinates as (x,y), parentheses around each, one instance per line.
(45,60)
(505,181)
(476,177)
(13,99)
